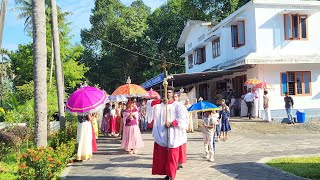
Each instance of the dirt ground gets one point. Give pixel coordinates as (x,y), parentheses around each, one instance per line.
(245,125)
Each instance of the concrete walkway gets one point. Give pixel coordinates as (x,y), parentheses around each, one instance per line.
(236,158)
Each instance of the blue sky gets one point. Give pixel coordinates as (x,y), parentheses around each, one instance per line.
(14,29)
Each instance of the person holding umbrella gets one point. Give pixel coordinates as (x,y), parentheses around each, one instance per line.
(131,138)
(84,102)
(209,126)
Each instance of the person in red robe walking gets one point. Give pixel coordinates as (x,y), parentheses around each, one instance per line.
(168,137)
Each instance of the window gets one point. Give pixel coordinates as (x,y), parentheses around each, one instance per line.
(190,61)
(296,82)
(216,48)
(295,26)
(238,34)
(200,55)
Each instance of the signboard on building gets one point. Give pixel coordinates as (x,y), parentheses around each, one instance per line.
(156,80)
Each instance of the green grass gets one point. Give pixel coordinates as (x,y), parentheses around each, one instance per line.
(307,167)
(9,164)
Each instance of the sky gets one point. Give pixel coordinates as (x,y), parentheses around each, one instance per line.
(81,10)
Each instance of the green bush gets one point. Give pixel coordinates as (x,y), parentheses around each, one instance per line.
(45,163)
(63,136)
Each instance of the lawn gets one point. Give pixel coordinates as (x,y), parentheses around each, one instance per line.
(308,167)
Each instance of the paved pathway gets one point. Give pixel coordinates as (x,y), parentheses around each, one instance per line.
(236,158)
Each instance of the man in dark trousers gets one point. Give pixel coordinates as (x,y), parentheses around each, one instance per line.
(289,105)
(249,99)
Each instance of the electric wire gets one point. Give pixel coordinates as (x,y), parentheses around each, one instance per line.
(129,50)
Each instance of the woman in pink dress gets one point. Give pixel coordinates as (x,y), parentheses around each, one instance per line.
(112,120)
(105,120)
(132,139)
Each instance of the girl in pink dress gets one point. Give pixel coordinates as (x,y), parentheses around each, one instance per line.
(132,139)
(112,120)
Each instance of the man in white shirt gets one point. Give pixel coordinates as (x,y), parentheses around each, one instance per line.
(249,99)
(168,137)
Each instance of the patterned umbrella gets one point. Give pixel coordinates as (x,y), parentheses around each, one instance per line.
(86,100)
(203,106)
(263,85)
(151,94)
(252,82)
(130,90)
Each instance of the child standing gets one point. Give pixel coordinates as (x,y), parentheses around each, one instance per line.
(225,125)
(112,120)
(208,131)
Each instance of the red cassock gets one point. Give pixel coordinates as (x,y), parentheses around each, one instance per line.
(165,161)
(183,153)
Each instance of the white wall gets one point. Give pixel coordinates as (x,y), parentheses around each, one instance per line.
(271,74)
(227,51)
(270,31)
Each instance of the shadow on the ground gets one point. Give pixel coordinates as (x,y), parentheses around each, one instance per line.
(107,178)
(252,170)
(106,166)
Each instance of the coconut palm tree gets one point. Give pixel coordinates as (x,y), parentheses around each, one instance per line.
(56,17)
(59,74)
(39,71)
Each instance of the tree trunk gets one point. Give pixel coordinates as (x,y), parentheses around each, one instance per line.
(56,48)
(40,72)
(51,65)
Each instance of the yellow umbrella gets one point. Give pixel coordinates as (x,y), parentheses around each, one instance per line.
(252,82)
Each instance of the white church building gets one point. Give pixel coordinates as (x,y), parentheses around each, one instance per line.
(274,41)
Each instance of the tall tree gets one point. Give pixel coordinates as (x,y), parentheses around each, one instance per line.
(59,74)
(125,26)
(40,71)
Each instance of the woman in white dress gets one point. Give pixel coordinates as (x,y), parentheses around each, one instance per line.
(244,108)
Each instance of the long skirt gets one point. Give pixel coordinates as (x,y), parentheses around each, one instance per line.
(118,122)
(112,124)
(190,126)
(104,125)
(95,128)
(131,138)
(84,140)
(267,115)
(94,141)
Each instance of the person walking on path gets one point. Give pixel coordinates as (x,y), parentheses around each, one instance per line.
(255,106)
(143,113)
(267,114)
(209,123)
(249,99)
(84,137)
(131,138)
(185,114)
(105,120)
(289,105)
(225,125)
(190,126)
(168,137)
(112,120)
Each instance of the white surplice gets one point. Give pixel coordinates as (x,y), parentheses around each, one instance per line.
(177,135)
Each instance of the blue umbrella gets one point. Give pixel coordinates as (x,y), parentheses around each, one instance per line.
(203,106)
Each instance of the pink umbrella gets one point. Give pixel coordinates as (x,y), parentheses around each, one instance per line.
(151,95)
(86,99)
(263,85)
